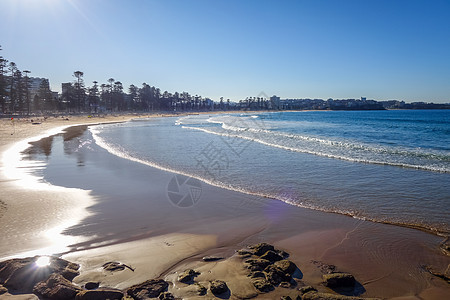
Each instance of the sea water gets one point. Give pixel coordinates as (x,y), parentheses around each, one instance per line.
(386,166)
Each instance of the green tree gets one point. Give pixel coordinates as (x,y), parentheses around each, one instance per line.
(118,96)
(12,67)
(93,99)
(133,91)
(27,91)
(79,90)
(3,84)
(45,96)
(110,99)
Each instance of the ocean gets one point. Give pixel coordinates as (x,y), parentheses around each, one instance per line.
(384,166)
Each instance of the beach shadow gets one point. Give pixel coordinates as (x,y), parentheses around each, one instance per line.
(357,290)
(225,295)
(297,274)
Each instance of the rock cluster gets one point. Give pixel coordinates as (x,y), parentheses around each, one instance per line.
(218,287)
(268,267)
(22,274)
(188,276)
(148,289)
(54,281)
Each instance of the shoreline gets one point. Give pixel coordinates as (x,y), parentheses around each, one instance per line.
(211,243)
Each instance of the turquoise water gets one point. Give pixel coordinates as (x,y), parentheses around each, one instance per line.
(386,166)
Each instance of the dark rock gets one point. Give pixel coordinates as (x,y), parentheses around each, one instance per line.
(166,296)
(338,280)
(201,290)
(327,296)
(286,266)
(218,287)
(113,266)
(21,274)
(262,285)
(3,289)
(212,258)
(188,276)
(257,264)
(261,248)
(245,253)
(148,289)
(56,287)
(275,276)
(91,285)
(100,294)
(306,289)
(271,256)
(257,274)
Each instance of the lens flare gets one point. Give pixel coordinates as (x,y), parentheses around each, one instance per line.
(43,261)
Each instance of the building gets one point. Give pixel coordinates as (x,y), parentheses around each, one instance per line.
(33,84)
(275,102)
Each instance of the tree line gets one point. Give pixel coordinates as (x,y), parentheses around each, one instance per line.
(76,97)
(110,97)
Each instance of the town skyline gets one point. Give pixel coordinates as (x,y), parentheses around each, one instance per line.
(301,49)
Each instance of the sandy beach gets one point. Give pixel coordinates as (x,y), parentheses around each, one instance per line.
(162,241)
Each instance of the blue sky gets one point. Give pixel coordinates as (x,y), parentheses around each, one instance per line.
(294,49)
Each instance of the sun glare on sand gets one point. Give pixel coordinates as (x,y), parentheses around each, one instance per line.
(43,261)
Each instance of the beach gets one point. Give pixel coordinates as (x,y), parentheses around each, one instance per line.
(142,228)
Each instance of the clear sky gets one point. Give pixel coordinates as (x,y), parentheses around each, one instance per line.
(394,49)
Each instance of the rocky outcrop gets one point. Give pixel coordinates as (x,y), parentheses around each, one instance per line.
(271,256)
(148,289)
(91,285)
(100,294)
(286,266)
(275,276)
(261,248)
(22,274)
(188,276)
(262,284)
(268,267)
(218,287)
(56,287)
(257,264)
(339,280)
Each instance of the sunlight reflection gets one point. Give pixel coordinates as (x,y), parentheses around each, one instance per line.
(65,207)
(42,261)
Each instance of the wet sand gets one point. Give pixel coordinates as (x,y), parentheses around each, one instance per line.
(160,240)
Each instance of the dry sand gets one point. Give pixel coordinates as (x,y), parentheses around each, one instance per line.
(386,259)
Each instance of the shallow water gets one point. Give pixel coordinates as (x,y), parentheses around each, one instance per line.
(386,166)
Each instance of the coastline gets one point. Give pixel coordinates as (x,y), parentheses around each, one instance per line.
(306,234)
